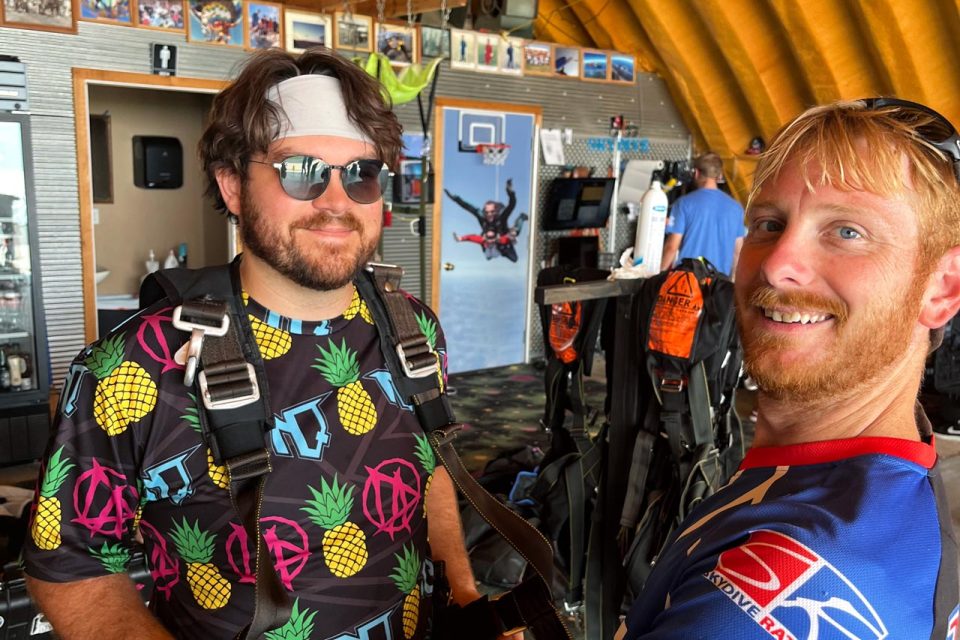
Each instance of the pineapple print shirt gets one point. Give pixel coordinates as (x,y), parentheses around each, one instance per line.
(343,512)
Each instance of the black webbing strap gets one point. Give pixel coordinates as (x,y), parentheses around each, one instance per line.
(524,606)
(379,286)
(401,337)
(526,539)
(232,389)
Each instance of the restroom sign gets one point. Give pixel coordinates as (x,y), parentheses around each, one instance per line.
(164,59)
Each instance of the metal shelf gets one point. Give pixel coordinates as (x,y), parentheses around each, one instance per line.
(14,336)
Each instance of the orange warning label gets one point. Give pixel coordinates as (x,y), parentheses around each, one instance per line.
(673,325)
(564,327)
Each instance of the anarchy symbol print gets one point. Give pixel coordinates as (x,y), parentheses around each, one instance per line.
(391,495)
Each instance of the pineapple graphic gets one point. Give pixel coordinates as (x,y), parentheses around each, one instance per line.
(298,627)
(273,342)
(217,472)
(46,522)
(424,453)
(114,558)
(125,392)
(210,589)
(344,543)
(406,576)
(429,328)
(357,305)
(339,366)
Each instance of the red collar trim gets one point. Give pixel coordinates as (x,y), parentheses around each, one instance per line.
(919,453)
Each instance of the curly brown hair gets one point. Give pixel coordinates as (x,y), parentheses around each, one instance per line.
(242,122)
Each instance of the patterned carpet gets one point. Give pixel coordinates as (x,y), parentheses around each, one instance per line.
(501,409)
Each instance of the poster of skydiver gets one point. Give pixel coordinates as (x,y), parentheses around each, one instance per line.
(497,237)
(484,237)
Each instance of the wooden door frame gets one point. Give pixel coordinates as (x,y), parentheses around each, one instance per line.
(458,103)
(82,80)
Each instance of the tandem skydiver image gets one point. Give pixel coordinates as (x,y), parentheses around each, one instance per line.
(495,237)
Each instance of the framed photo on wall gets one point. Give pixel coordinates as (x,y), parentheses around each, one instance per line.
(115,12)
(623,68)
(596,66)
(511,56)
(463,49)
(305,29)
(166,15)
(537,59)
(434,42)
(399,43)
(49,15)
(408,183)
(488,52)
(566,62)
(218,22)
(353,32)
(263,25)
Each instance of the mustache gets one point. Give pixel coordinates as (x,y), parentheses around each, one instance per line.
(323,218)
(768,297)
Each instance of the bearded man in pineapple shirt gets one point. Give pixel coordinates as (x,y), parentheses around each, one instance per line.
(354,493)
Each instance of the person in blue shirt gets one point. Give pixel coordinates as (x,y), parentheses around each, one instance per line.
(836,524)
(706,222)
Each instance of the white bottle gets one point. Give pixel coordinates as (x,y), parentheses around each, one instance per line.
(171,261)
(651,224)
(151,263)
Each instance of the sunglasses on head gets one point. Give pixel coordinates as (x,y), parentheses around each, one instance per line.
(930,126)
(306,177)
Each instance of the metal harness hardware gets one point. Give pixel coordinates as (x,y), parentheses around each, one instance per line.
(422,361)
(229,385)
(200,322)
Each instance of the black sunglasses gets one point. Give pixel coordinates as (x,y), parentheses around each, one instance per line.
(306,177)
(930,126)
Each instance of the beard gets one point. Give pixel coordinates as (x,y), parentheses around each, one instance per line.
(328,271)
(864,346)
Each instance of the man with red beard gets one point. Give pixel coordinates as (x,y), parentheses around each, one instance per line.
(836,524)
(297,152)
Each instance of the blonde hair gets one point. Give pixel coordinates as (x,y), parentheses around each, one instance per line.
(828,142)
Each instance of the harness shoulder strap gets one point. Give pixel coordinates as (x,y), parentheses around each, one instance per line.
(232,388)
(415,367)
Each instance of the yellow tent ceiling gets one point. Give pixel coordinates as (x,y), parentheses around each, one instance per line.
(742,68)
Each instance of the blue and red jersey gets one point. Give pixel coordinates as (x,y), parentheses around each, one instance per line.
(839,539)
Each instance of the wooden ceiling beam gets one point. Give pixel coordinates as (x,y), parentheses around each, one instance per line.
(917,49)
(749,36)
(704,80)
(556,23)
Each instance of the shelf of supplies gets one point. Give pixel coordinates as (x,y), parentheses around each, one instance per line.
(14,336)
(559,293)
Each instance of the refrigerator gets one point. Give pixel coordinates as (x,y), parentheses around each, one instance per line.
(24,357)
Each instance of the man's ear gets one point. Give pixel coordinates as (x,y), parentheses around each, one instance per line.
(230,188)
(942,298)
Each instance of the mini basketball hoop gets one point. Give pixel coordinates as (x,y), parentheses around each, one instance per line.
(493,153)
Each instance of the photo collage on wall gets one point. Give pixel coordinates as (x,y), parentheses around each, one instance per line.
(262,24)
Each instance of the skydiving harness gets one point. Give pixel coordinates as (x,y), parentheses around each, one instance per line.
(225,367)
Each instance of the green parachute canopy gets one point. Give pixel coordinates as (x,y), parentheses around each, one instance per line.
(408,84)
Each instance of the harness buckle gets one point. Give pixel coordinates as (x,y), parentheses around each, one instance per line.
(671,385)
(197,331)
(237,392)
(421,371)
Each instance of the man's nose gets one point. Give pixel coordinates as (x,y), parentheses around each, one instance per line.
(334,198)
(788,260)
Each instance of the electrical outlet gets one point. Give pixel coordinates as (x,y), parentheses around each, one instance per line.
(96,215)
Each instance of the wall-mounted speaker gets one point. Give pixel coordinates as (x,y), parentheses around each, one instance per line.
(157,162)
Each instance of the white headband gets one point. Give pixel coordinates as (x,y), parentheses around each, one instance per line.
(312,105)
